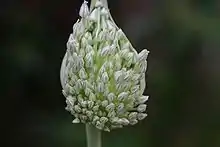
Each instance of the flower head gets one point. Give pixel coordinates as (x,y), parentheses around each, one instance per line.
(102,75)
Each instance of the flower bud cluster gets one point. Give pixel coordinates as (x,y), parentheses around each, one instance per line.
(102,76)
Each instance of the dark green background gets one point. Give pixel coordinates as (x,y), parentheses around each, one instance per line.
(183,77)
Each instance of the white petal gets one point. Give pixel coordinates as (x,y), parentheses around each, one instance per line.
(104,103)
(90,104)
(111,97)
(84,10)
(103,119)
(122,96)
(111,114)
(132,115)
(141,116)
(141,108)
(143,55)
(82,73)
(123,121)
(142,99)
(110,107)
(105,77)
(133,122)
(76,120)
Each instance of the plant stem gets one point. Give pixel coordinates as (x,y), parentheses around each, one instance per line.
(93,136)
(104,2)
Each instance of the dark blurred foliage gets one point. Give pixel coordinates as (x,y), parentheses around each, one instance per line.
(183,78)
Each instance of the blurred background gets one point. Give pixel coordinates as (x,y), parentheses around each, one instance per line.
(183,78)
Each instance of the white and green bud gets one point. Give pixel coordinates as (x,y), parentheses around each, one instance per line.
(141,108)
(102,75)
(84,10)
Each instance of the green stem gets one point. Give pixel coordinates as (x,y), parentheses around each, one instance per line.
(93,136)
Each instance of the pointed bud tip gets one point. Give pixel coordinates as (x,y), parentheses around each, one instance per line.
(76,120)
(84,10)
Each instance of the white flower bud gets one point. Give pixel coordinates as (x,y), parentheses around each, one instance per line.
(119,87)
(124,53)
(83,118)
(135,77)
(126,86)
(100,114)
(71,44)
(110,25)
(104,11)
(79,84)
(94,15)
(116,126)
(115,120)
(117,62)
(132,115)
(142,99)
(87,91)
(104,103)
(76,120)
(105,77)
(103,119)
(88,36)
(129,56)
(119,76)
(90,104)
(143,55)
(143,66)
(111,97)
(99,125)
(74,78)
(135,88)
(84,43)
(141,107)
(77,108)
(100,87)
(89,114)
(95,118)
(73,90)
(80,98)
(82,73)
(103,23)
(106,129)
(105,51)
(84,10)
(110,107)
(122,96)
(141,116)
(92,97)
(133,122)
(84,104)
(89,59)
(98,4)
(123,121)
(121,107)
(95,108)
(71,100)
(102,70)
(111,114)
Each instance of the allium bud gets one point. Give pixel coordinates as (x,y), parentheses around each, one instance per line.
(84,10)
(102,75)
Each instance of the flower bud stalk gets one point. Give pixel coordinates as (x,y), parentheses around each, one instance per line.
(93,136)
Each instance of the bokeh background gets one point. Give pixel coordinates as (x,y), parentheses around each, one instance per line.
(183,78)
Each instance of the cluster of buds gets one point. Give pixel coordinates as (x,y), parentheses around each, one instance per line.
(102,75)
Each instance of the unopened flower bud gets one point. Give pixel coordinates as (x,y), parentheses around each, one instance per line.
(102,75)
(84,10)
